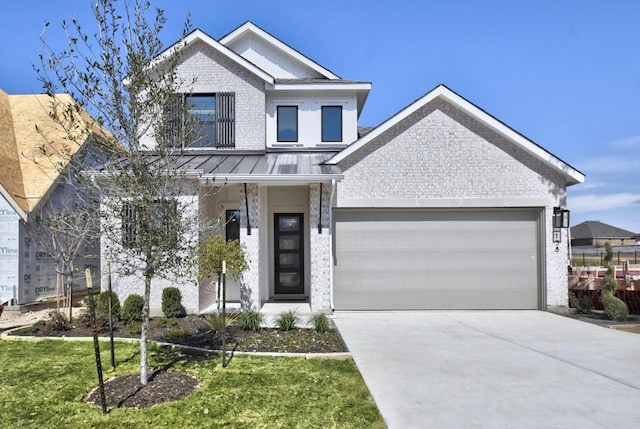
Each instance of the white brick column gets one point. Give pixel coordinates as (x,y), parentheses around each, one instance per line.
(250,281)
(319,247)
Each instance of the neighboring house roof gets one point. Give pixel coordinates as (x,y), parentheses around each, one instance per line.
(34,147)
(572,175)
(259,167)
(250,28)
(596,229)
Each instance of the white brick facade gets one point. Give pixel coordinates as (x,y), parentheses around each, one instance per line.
(213,72)
(441,157)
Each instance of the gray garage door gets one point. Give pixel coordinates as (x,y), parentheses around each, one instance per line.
(459,259)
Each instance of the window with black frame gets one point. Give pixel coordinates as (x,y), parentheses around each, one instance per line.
(232,225)
(331,123)
(210,118)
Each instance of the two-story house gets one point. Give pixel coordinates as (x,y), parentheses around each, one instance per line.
(440,206)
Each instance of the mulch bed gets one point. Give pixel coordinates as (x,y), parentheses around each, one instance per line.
(195,332)
(162,386)
(167,385)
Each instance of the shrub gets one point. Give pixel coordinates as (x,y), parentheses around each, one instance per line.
(102,321)
(102,305)
(581,303)
(134,328)
(321,322)
(167,323)
(176,333)
(172,302)
(215,320)
(57,321)
(132,309)
(614,308)
(287,320)
(250,320)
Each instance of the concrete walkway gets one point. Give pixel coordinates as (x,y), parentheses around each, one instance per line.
(495,369)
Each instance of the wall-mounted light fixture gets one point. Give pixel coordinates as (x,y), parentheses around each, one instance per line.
(560,218)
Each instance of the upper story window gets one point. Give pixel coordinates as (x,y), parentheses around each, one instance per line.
(210,116)
(287,117)
(331,123)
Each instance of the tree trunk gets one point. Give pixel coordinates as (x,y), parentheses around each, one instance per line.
(145,329)
(70,289)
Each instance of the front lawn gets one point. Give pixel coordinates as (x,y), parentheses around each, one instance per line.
(43,384)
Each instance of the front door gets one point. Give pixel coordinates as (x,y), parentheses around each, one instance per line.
(289,253)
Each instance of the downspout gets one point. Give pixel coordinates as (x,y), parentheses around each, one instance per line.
(333,192)
(246,203)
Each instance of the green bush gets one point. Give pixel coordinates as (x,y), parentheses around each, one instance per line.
(250,320)
(134,328)
(102,304)
(172,302)
(614,308)
(176,333)
(581,303)
(321,323)
(167,323)
(287,320)
(132,309)
(215,320)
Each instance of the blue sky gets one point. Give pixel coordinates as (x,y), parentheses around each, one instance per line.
(566,74)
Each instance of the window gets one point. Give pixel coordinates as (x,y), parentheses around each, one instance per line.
(157,225)
(210,116)
(232,225)
(331,123)
(287,123)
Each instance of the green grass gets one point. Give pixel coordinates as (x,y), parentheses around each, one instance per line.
(43,384)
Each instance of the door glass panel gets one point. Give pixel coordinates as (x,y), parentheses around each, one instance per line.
(289,279)
(291,242)
(289,224)
(289,260)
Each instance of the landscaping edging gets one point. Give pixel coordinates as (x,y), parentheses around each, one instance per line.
(198,350)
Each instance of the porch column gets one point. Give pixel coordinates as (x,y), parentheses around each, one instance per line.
(250,281)
(320,243)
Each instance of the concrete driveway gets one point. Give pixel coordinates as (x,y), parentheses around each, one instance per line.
(495,369)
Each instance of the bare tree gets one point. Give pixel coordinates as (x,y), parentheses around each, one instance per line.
(126,79)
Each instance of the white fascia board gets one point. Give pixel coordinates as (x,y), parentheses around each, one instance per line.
(573,175)
(329,86)
(270,178)
(202,36)
(14,205)
(251,27)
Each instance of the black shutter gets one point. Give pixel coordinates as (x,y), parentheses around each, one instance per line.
(129,220)
(225,119)
(174,121)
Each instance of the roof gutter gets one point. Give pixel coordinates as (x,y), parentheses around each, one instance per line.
(269,178)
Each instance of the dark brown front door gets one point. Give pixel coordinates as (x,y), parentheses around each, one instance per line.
(289,253)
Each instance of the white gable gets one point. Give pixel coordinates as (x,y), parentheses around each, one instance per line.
(271,55)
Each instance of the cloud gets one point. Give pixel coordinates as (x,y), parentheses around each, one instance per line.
(610,164)
(598,203)
(626,143)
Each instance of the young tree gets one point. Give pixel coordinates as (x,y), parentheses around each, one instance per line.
(125,78)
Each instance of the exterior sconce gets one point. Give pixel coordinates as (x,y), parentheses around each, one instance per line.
(560,218)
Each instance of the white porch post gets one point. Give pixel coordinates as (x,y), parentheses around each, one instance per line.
(250,238)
